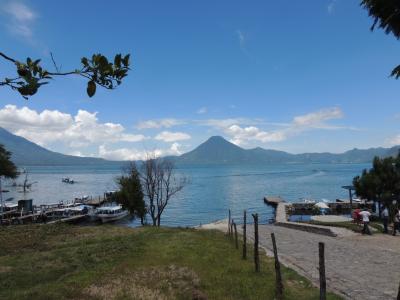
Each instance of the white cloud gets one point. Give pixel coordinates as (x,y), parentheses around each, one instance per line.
(134,154)
(241,38)
(160,123)
(202,110)
(240,135)
(317,119)
(174,150)
(76,153)
(241,131)
(54,126)
(168,136)
(21,18)
(394,141)
(331,7)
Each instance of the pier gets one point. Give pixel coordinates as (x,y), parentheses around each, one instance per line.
(273,200)
(284,209)
(51,213)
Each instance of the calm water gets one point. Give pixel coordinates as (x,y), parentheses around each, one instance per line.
(212,189)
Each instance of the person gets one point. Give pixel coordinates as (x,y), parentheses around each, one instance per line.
(385,219)
(396,221)
(365,214)
(356,215)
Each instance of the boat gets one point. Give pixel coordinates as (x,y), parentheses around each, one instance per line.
(111,213)
(67,180)
(309,201)
(9,207)
(323,207)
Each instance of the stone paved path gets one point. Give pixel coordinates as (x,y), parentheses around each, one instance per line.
(360,267)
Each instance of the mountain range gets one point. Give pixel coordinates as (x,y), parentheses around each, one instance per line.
(25,153)
(216,150)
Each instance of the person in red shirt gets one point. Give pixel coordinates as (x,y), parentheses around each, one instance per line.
(356,215)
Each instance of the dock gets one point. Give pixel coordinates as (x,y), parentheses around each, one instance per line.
(39,213)
(72,219)
(273,200)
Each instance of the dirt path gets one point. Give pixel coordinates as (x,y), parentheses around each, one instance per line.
(360,267)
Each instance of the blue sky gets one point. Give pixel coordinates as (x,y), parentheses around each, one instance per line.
(299,76)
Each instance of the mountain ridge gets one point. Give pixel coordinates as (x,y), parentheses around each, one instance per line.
(209,153)
(216,150)
(25,153)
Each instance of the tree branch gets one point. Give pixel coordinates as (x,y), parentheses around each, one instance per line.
(7,57)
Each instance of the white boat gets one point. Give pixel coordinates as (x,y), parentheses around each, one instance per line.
(308,201)
(111,213)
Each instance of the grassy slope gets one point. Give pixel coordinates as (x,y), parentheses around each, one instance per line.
(110,262)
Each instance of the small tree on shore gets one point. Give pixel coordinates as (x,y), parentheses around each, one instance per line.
(381,183)
(7,169)
(130,194)
(160,184)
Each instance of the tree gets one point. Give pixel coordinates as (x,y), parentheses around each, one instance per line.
(386,15)
(130,194)
(7,169)
(97,70)
(382,182)
(160,184)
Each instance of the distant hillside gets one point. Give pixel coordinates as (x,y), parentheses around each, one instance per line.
(25,153)
(217,150)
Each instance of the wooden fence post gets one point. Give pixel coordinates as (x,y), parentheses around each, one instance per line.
(244,236)
(256,255)
(236,236)
(398,293)
(278,275)
(322,278)
(229,223)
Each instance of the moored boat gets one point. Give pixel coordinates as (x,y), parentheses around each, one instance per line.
(67,180)
(111,213)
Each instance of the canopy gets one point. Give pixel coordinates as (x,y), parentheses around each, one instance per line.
(322,205)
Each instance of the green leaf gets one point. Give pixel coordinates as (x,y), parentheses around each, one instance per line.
(84,61)
(117,60)
(125,60)
(22,72)
(91,88)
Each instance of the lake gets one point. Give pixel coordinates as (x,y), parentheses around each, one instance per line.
(212,190)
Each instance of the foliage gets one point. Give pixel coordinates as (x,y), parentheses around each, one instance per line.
(97,70)
(386,15)
(380,183)
(115,262)
(160,184)
(7,167)
(130,194)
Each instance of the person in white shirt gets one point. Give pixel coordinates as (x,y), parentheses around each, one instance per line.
(365,214)
(385,219)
